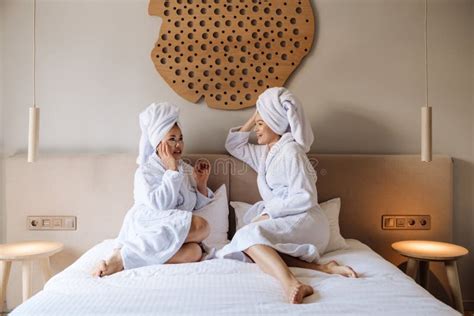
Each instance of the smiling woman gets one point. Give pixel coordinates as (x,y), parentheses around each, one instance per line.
(265,135)
(288,227)
(172,143)
(160,227)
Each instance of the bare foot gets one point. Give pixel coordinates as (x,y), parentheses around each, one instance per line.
(98,270)
(332,267)
(113,265)
(298,291)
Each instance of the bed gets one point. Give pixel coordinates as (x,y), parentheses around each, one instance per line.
(231,287)
(98,190)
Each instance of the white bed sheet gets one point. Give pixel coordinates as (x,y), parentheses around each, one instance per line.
(230,287)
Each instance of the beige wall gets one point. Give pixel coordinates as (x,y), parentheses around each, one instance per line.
(471,302)
(362,85)
(2,125)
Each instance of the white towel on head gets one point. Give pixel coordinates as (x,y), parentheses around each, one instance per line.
(283,113)
(155,121)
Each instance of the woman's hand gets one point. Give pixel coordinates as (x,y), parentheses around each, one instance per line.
(260,218)
(202,170)
(166,155)
(249,125)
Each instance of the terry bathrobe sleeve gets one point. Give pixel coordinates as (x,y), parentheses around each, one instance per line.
(302,194)
(158,193)
(203,200)
(237,144)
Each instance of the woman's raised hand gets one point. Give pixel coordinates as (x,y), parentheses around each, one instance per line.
(202,170)
(166,154)
(249,125)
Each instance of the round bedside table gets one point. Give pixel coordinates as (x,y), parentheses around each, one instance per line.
(421,252)
(26,252)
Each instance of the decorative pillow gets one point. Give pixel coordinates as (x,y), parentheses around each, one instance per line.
(331,208)
(240,209)
(216,214)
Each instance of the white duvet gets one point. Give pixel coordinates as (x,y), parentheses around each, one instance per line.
(232,288)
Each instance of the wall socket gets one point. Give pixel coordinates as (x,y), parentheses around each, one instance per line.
(406,222)
(51,222)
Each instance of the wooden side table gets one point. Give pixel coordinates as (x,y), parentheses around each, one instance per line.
(26,252)
(421,252)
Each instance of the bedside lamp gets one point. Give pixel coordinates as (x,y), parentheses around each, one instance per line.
(421,252)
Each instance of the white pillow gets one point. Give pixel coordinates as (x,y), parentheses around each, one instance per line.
(240,208)
(331,208)
(216,214)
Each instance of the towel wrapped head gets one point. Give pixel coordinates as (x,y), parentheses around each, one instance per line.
(283,113)
(155,121)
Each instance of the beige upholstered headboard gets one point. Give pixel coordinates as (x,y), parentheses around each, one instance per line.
(98,190)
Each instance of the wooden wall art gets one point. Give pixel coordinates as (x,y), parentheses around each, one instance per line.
(230,51)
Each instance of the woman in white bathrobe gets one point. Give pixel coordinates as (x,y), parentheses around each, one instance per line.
(287,228)
(160,227)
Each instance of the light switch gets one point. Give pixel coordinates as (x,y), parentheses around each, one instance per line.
(389,222)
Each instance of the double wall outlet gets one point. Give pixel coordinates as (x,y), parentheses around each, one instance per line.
(51,222)
(406,222)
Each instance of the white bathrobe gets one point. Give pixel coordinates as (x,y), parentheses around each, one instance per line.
(286,181)
(157,225)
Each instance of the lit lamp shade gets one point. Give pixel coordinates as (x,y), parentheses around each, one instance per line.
(426,133)
(33,134)
(429,250)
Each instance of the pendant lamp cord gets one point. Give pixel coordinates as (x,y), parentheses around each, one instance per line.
(34,56)
(426,51)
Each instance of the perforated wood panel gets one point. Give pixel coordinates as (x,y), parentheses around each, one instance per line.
(230,51)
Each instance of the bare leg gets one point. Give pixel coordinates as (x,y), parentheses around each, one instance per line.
(190,252)
(199,230)
(271,263)
(332,267)
(110,266)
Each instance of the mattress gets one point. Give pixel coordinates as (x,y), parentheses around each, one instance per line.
(230,287)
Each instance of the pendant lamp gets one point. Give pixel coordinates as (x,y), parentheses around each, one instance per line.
(34,117)
(426,111)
